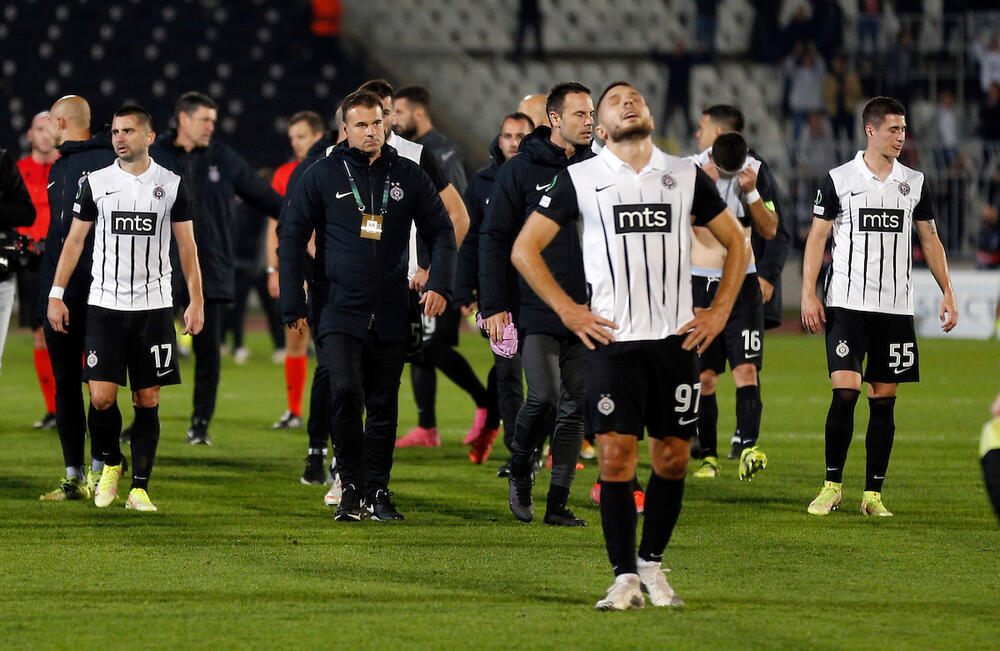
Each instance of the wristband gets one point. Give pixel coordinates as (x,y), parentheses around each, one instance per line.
(272,270)
(753,196)
(57,292)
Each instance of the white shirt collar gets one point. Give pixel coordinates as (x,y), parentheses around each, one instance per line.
(656,162)
(896,174)
(145,177)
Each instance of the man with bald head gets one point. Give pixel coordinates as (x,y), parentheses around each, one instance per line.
(534,107)
(34,170)
(80,153)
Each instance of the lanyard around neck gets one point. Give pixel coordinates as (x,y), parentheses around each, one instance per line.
(357,195)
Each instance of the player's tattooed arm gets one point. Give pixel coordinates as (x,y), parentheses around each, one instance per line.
(937,262)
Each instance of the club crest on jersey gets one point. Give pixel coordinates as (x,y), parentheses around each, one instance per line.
(842,349)
(668,182)
(92,359)
(213,174)
(605,405)
(904,188)
(396,192)
(642,218)
(159,192)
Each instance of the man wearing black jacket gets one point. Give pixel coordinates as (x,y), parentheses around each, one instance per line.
(16,210)
(361,201)
(80,153)
(504,383)
(214,173)
(551,355)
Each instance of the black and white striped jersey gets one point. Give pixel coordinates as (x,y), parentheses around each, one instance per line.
(131,267)
(635,232)
(872,235)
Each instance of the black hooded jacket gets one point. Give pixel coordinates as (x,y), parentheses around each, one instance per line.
(366,278)
(16,208)
(519,186)
(213,174)
(77,159)
(477,197)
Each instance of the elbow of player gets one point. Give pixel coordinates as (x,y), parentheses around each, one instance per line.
(520,255)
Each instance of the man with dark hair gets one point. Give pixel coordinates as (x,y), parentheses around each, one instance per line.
(633,207)
(552,357)
(504,383)
(133,205)
(80,153)
(871,205)
(305,129)
(750,196)
(34,170)
(361,200)
(413,121)
(214,173)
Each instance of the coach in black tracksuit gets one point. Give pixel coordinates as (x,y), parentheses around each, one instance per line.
(771,254)
(77,158)
(551,355)
(505,384)
(213,172)
(361,200)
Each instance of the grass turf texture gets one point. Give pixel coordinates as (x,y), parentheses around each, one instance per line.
(243,555)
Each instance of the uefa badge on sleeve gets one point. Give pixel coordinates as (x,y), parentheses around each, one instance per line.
(92,359)
(158,192)
(396,192)
(605,405)
(904,188)
(668,182)
(842,349)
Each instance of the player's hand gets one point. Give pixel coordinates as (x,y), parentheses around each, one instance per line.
(766,290)
(299,324)
(58,315)
(588,326)
(748,180)
(703,328)
(470,309)
(948,313)
(273,284)
(419,280)
(494,325)
(710,169)
(813,316)
(433,303)
(194,318)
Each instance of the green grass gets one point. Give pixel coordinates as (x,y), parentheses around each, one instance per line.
(242,555)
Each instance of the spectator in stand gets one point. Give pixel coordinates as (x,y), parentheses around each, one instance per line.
(679,63)
(765,39)
(897,68)
(869,24)
(796,25)
(805,88)
(989,63)
(817,150)
(946,130)
(989,125)
(988,242)
(828,19)
(529,16)
(841,93)
(704,26)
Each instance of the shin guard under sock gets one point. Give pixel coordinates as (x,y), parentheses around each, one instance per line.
(105,428)
(619,519)
(748,412)
(839,431)
(663,506)
(708,425)
(145,437)
(878,441)
(47,382)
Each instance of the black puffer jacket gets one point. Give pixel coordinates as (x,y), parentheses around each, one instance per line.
(366,278)
(77,159)
(520,184)
(477,198)
(213,174)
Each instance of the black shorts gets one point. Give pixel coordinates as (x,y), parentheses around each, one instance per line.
(633,385)
(28,286)
(742,340)
(141,343)
(888,340)
(442,330)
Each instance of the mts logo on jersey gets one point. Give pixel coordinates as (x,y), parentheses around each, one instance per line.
(124,222)
(642,218)
(880,220)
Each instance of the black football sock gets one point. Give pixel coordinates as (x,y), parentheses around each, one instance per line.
(145,437)
(839,431)
(492,400)
(106,427)
(708,425)
(619,519)
(878,441)
(748,412)
(424,379)
(663,506)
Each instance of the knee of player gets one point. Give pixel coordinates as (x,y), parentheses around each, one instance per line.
(146,398)
(673,459)
(617,464)
(744,375)
(101,399)
(709,381)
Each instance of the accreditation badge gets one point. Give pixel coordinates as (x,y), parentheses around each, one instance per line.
(371,226)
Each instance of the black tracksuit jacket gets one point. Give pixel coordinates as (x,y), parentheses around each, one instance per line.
(77,159)
(771,254)
(367,287)
(213,175)
(477,198)
(520,184)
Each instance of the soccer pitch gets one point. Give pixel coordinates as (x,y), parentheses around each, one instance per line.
(243,555)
